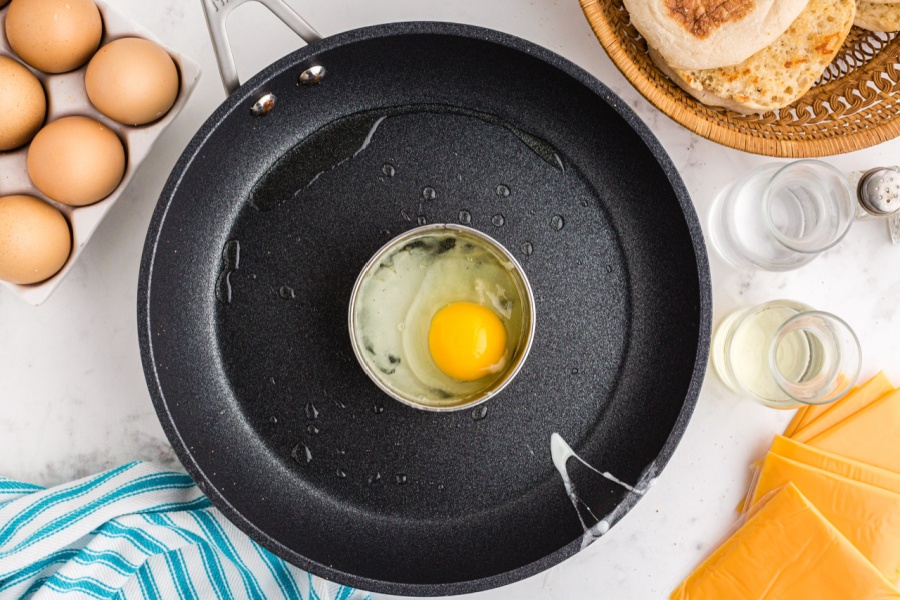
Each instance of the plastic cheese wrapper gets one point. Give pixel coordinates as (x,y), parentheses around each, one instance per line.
(805,414)
(786,550)
(818,419)
(869,436)
(811,412)
(835,463)
(868,516)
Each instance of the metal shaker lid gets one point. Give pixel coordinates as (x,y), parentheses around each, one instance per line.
(878,191)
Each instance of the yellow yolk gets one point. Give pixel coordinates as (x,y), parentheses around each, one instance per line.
(467,341)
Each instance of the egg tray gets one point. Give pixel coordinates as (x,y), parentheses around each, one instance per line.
(66,96)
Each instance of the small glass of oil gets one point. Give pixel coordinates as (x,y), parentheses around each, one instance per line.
(784,354)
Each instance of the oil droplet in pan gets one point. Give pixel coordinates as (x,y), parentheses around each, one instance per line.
(428,193)
(527,248)
(388,170)
(359,130)
(231,262)
(223,287)
(502,191)
(301,455)
(465,217)
(312,413)
(559,162)
(498,220)
(557,223)
(479,412)
(401,479)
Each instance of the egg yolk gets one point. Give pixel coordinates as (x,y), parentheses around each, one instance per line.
(467,341)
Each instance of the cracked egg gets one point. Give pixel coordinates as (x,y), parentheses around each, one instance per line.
(442,317)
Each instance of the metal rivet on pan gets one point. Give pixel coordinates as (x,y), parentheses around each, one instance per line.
(312,75)
(264,105)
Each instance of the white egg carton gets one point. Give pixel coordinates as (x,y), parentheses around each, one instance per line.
(66,97)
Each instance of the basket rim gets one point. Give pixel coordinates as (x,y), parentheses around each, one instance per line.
(682,114)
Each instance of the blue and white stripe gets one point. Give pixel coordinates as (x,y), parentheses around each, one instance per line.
(137,532)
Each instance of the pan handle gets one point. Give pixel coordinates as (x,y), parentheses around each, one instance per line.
(217,12)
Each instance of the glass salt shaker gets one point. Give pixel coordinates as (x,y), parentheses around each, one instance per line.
(878,193)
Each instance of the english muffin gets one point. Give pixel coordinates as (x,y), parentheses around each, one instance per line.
(778,74)
(878,16)
(707,34)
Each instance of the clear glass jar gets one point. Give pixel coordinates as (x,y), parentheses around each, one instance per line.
(780,216)
(784,354)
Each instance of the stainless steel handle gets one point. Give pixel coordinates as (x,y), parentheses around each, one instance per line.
(217,12)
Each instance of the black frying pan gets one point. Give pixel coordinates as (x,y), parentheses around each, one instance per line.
(263,227)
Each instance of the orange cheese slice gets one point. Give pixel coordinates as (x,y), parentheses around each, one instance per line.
(868,516)
(800,417)
(786,551)
(844,408)
(870,436)
(833,463)
(810,412)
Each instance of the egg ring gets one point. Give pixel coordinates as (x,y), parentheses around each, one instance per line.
(442,317)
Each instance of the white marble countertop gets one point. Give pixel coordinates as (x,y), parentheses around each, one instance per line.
(72,394)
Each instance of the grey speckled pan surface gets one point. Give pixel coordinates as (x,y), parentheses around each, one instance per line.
(259,236)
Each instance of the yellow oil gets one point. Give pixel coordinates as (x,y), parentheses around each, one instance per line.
(741,348)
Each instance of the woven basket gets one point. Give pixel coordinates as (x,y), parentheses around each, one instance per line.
(854,105)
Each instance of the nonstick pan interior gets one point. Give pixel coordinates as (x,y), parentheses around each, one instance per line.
(263,228)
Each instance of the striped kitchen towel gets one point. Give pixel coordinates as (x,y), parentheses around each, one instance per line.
(137,532)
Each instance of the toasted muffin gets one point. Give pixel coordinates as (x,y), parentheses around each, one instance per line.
(878,16)
(778,74)
(707,34)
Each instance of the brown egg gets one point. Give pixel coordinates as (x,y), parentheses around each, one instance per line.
(76,161)
(132,81)
(34,240)
(55,36)
(23,103)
